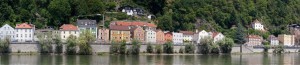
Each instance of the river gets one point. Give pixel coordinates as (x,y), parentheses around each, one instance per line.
(234,59)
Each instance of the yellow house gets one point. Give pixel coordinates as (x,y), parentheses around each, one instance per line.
(119,33)
(287,40)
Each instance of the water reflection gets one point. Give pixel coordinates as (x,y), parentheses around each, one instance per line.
(247,59)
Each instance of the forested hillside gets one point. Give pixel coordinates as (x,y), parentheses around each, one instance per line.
(173,15)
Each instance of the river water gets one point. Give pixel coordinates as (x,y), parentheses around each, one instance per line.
(233,59)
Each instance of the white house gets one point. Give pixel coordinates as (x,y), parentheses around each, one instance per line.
(257,25)
(199,35)
(177,38)
(7,32)
(273,40)
(217,36)
(187,36)
(67,30)
(150,36)
(88,25)
(25,32)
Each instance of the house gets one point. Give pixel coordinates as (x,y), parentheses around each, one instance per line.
(138,33)
(256,25)
(119,33)
(177,38)
(144,25)
(160,36)
(6,31)
(89,25)
(67,30)
(46,33)
(253,40)
(217,36)
(295,30)
(168,36)
(287,40)
(187,36)
(129,10)
(103,35)
(273,40)
(150,36)
(25,32)
(199,35)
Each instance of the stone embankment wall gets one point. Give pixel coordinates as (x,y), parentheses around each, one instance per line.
(33,47)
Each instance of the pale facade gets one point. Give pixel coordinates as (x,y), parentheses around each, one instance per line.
(287,40)
(273,40)
(257,25)
(199,35)
(187,36)
(177,38)
(67,30)
(217,36)
(25,32)
(103,35)
(7,31)
(254,40)
(150,36)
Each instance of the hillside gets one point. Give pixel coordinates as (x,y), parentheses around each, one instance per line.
(173,15)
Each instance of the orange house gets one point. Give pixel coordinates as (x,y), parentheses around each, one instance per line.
(138,33)
(168,36)
(119,33)
(160,37)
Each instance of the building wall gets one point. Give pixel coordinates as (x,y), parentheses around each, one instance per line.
(65,34)
(254,42)
(93,30)
(274,42)
(7,32)
(187,38)
(258,26)
(160,37)
(119,35)
(103,35)
(198,36)
(168,37)
(177,38)
(23,35)
(139,34)
(150,36)
(288,40)
(219,37)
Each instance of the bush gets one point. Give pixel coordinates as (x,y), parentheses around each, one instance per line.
(266,47)
(149,48)
(158,48)
(114,48)
(226,45)
(85,39)
(122,49)
(45,41)
(181,50)
(4,45)
(71,45)
(168,47)
(135,48)
(59,45)
(279,49)
(205,46)
(189,48)
(215,49)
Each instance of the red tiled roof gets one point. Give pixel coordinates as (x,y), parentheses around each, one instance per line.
(187,32)
(121,23)
(254,36)
(214,34)
(68,27)
(24,25)
(115,27)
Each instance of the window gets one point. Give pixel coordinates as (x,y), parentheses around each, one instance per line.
(64,32)
(25,35)
(25,30)
(64,36)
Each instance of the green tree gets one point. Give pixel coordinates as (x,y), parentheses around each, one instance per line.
(189,48)
(135,48)
(85,39)
(226,45)
(114,48)
(59,44)
(168,47)
(240,35)
(4,45)
(46,41)
(158,48)
(149,48)
(71,45)
(122,49)
(205,45)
